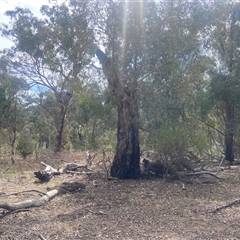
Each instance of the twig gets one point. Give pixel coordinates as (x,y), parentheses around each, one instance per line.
(220,165)
(110,229)
(74,172)
(97,213)
(157,68)
(16,193)
(41,237)
(14,211)
(201,173)
(225,206)
(209,125)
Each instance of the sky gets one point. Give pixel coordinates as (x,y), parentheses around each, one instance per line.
(5,5)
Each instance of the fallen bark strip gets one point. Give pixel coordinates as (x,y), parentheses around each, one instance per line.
(225,206)
(57,190)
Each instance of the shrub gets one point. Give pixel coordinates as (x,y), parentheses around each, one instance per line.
(25,146)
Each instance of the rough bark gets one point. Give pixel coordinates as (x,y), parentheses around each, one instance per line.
(127,157)
(229,138)
(126,161)
(60,127)
(229,121)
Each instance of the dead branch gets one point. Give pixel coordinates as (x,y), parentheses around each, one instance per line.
(41,237)
(96,213)
(57,190)
(89,158)
(227,205)
(71,167)
(220,165)
(26,191)
(49,168)
(83,173)
(49,172)
(43,176)
(15,211)
(201,173)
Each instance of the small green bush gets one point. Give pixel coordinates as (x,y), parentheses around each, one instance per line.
(25,146)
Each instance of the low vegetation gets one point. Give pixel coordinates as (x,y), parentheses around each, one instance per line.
(151,208)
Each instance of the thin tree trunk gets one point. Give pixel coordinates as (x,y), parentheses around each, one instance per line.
(12,150)
(229,124)
(14,134)
(60,128)
(229,138)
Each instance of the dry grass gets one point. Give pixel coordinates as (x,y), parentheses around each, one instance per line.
(123,209)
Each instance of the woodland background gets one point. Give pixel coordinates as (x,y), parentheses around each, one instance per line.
(181,59)
(166,88)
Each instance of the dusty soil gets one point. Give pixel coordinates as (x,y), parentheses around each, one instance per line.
(121,209)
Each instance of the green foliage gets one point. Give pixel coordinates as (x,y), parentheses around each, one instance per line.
(169,140)
(93,116)
(25,145)
(51,51)
(180,58)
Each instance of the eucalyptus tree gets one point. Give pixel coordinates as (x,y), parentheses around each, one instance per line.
(124,30)
(51,51)
(225,51)
(170,94)
(150,48)
(13,115)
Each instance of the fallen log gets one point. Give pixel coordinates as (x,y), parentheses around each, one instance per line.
(49,172)
(43,176)
(63,188)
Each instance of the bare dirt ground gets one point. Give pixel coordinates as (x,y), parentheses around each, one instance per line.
(120,209)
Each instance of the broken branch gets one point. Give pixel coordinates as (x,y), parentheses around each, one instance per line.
(227,205)
(201,173)
(60,189)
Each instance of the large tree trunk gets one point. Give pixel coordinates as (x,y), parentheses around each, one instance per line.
(127,157)
(126,160)
(229,138)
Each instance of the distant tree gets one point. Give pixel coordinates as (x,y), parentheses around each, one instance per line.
(225,45)
(51,52)
(25,145)
(13,115)
(91,117)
